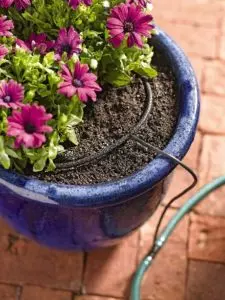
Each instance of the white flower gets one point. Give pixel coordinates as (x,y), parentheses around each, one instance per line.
(106,4)
(93,64)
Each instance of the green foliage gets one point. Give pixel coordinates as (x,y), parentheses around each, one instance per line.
(118,65)
(50,15)
(90,21)
(40,79)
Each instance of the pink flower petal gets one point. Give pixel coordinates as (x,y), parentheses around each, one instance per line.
(144,19)
(114,23)
(22,4)
(91,94)
(117,40)
(80,70)
(39,139)
(82,94)
(134,13)
(13,131)
(68,91)
(92,85)
(88,77)
(68,41)
(134,39)
(116,31)
(28,126)
(5,26)
(16,117)
(120,12)
(6,3)
(45,128)
(3,51)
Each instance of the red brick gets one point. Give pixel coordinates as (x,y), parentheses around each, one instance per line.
(166,277)
(206,281)
(189,13)
(192,38)
(213,80)
(109,271)
(222,40)
(147,230)
(185,4)
(164,4)
(207,238)
(87,297)
(181,179)
(198,65)
(212,114)
(25,262)
(38,293)
(8,292)
(212,165)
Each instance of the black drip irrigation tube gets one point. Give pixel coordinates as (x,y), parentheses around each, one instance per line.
(159,239)
(130,136)
(72,164)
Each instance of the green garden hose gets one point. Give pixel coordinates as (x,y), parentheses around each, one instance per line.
(163,237)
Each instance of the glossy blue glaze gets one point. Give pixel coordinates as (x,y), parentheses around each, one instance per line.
(88,216)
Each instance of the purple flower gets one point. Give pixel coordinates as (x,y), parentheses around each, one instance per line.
(3,51)
(142,3)
(80,82)
(75,3)
(5,26)
(37,42)
(11,94)
(20,4)
(129,21)
(67,41)
(6,3)
(28,126)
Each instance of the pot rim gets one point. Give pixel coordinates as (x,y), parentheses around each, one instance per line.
(103,194)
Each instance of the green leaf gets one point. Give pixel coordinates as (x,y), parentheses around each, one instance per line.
(60,148)
(62,120)
(44,93)
(147,71)
(30,95)
(40,164)
(13,153)
(71,135)
(53,146)
(5,160)
(2,144)
(118,78)
(49,59)
(53,151)
(53,79)
(91,33)
(106,60)
(54,138)
(31,154)
(74,120)
(51,166)
(20,165)
(77,108)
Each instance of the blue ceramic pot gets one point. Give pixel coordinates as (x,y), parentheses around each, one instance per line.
(89,216)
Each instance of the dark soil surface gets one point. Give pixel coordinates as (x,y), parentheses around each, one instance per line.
(116,111)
